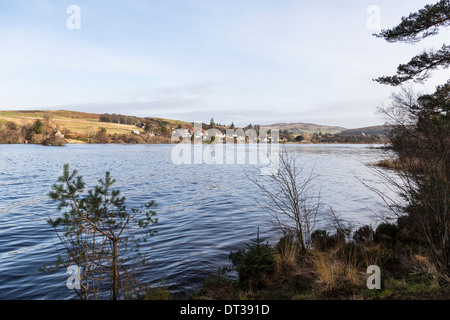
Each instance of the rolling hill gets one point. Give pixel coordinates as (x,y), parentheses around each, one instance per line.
(373,130)
(76,122)
(301,128)
(74,125)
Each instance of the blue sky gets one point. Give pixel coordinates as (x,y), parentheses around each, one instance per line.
(241,61)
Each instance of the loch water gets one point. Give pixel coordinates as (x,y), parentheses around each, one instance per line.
(204,210)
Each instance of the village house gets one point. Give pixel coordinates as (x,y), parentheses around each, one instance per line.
(58,134)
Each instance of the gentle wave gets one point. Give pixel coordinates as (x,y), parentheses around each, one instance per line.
(204,211)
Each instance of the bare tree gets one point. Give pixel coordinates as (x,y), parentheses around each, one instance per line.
(288,199)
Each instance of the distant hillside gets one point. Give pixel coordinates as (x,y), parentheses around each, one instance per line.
(302,128)
(374,130)
(75,122)
(88,127)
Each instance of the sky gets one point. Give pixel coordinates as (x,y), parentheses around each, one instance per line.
(241,61)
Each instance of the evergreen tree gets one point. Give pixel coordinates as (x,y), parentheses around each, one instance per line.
(421,136)
(99,234)
(38,126)
(417,26)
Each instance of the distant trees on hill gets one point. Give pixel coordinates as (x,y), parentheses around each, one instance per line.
(332,138)
(151,126)
(374,131)
(355,138)
(121,119)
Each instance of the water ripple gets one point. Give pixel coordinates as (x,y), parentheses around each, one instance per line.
(204,211)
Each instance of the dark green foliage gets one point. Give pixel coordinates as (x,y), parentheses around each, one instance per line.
(363,236)
(150,125)
(322,240)
(422,24)
(163,128)
(421,139)
(38,127)
(102,207)
(220,286)
(424,146)
(158,293)
(386,234)
(419,67)
(122,119)
(253,263)
(337,138)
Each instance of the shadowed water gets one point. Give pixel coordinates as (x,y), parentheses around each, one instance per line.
(204,211)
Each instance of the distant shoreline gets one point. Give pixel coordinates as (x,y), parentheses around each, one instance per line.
(76,142)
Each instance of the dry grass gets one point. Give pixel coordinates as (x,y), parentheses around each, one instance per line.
(394,164)
(81,126)
(418,265)
(334,271)
(405,165)
(325,269)
(286,257)
(338,273)
(77,122)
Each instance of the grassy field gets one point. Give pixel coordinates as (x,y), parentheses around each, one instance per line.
(76,122)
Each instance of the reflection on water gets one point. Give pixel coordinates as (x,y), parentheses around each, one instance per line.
(204,211)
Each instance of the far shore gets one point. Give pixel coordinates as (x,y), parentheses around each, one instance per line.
(74,141)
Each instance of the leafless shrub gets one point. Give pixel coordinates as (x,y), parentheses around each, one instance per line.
(287,194)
